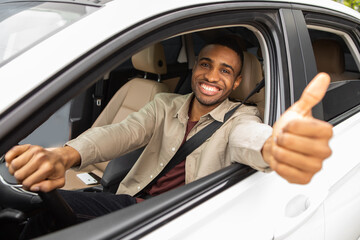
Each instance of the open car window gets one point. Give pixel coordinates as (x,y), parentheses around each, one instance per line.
(80,113)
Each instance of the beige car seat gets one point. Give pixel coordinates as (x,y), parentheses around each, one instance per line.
(129,98)
(330,58)
(252,74)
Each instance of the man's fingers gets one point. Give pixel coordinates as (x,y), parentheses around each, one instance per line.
(20,161)
(296,160)
(26,170)
(293,175)
(312,94)
(46,171)
(301,142)
(15,152)
(48,185)
(309,127)
(308,146)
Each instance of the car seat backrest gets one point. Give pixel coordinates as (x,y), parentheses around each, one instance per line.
(151,59)
(252,74)
(138,91)
(129,98)
(330,58)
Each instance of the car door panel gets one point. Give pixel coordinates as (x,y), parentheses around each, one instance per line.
(341,171)
(342,208)
(255,208)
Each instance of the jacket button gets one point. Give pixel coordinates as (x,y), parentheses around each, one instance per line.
(161,164)
(173,149)
(151,176)
(138,187)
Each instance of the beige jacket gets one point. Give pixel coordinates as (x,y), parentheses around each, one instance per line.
(161,125)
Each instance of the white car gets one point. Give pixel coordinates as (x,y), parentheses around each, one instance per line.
(62,61)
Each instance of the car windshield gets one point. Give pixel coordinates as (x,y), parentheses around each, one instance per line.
(23,24)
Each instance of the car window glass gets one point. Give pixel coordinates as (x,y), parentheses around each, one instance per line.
(172,48)
(22,24)
(52,133)
(335,54)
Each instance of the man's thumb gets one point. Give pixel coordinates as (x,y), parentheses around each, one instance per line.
(312,94)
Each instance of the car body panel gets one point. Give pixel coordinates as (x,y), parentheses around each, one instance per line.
(256,208)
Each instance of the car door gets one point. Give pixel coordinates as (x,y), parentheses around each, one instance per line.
(266,206)
(336,195)
(333,194)
(341,107)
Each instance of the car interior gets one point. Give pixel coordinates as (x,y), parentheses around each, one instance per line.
(157,68)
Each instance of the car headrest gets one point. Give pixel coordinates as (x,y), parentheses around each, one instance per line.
(329,56)
(252,75)
(151,60)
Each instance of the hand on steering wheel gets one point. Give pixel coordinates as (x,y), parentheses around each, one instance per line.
(15,197)
(40,169)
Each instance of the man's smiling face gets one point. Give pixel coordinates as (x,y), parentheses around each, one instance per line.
(215,75)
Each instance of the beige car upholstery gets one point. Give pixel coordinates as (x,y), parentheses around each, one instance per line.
(252,74)
(330,58)
(129,98)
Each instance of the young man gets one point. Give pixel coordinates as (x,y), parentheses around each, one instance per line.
(295,148)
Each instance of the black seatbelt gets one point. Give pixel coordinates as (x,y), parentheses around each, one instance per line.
(98,98)
(195,141)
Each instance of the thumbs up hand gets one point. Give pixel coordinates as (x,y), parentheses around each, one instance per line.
(300,143)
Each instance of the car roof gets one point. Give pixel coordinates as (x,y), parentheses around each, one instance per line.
(32,76)
(327,4)
(91,2)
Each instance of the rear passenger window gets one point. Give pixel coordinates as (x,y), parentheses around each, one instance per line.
(336,54)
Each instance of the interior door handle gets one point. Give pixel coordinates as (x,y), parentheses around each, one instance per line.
(296,212)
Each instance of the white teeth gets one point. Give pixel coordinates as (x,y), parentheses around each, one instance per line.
(208,88)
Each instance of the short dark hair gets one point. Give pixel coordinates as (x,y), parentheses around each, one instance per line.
(234,43)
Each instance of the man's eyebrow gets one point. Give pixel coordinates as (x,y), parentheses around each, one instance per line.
(224,64)
(206,58)
(228,66)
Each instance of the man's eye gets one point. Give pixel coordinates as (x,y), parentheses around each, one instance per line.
(225,71)
(204,65)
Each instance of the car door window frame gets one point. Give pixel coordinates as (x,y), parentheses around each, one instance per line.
(84,72)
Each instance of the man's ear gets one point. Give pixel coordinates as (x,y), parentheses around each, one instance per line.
(237,81)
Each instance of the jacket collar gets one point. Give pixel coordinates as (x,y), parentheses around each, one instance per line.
(217,114)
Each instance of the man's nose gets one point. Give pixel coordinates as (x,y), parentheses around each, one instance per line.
(212,75)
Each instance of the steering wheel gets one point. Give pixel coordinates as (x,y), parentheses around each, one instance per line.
(13,196)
